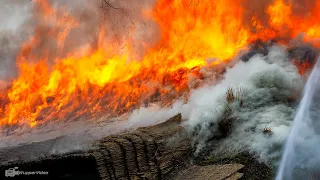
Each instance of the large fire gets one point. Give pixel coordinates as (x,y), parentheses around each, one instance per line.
(91,81)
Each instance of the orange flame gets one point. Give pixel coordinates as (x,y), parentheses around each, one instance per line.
(89,81)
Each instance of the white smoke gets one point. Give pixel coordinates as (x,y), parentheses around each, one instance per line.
(269,83)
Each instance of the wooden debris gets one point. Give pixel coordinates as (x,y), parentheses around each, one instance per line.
(215,172)
(235,176)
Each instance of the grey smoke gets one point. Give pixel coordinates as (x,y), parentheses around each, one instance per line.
(13,16)
(269,82)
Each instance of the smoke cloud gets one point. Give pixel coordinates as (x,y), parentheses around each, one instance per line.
(13,16)
(263,118)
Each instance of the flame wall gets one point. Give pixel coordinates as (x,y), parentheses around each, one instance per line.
(92,58)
